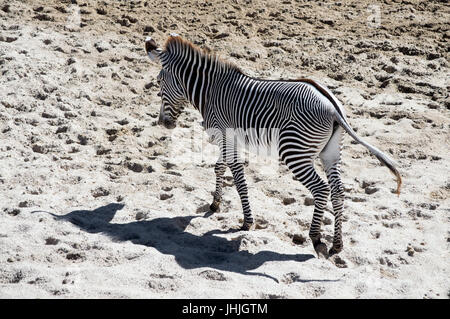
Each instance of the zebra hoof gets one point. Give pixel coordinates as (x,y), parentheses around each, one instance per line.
(321,250)
(214,207)
(246,226)
(334,250)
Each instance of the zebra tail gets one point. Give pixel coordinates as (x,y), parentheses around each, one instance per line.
(383,158)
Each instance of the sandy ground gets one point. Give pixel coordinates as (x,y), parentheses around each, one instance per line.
(98,201)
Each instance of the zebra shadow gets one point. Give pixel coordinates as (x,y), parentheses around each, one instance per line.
(169,236)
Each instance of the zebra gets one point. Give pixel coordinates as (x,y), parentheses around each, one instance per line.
(308,119)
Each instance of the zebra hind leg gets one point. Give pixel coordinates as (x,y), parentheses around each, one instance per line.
(308,176)
(331,159)
(219,170)
(299,158)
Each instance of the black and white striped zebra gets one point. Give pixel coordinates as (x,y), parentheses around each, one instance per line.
(307,119)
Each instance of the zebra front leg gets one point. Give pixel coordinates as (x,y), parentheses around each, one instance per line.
(237,169)
(219,169)
(229,155)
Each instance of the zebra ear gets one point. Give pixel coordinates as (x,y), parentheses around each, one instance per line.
(152,49)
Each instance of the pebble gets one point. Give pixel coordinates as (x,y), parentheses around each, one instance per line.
(288,201)
(102,150)
(24,204)
(82,139)
(298,239)
(135,167)
(371,190)
(102,46)
(51,241)
(149,28)
(140,215)
(212,275)
(309,201)
(123,122)
(12,211)
(38,149)
(100,191)
(165,196)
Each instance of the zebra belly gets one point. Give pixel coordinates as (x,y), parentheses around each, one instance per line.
(261,142)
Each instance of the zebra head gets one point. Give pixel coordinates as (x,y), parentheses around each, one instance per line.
(173,97)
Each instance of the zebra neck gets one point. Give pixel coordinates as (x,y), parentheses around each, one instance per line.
(201,80)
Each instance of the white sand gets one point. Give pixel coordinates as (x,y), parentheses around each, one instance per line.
(83,211)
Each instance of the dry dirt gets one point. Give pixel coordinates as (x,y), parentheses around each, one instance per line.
(97,200)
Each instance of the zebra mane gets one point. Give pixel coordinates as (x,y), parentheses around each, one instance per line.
(176,45)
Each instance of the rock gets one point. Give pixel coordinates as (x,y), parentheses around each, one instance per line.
(123,122)
(149,29)
(221,35)
(433,56)
(140,215)
(112,131)
(101,11)
(44,17)
(12,211)
(358,199)
(62,129)
(38,149)
(410,251)
(24,204)
(102,46)
(405,88)
(309,201)
(41,96)
(135,167)
(430,206)
(165,196)
(75,256)
(410,51)
(124,22)
(100,191)
(327,221)
(7,39)
(102,150)
(48,115)
(371,190)
(298,239)
(51,241)
(82,139)
(288,201)
(328,22)
(389,68)
(213,275)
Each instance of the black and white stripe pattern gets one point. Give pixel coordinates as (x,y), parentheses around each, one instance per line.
(306,118)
